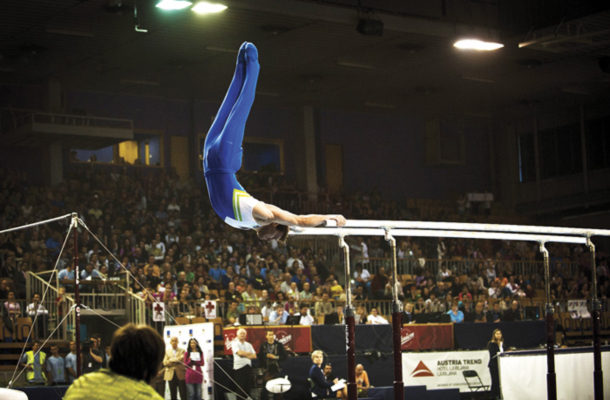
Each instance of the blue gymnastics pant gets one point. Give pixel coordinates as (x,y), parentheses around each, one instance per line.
(222,151)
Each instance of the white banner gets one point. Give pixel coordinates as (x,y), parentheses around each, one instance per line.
(158,312)
(444,370)
(209,309)
(578,309)
(204,333)
(524,376)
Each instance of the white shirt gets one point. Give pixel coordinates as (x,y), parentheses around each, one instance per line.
(32,311)
(306,320)
(365,274)
(377,320)
(239,361)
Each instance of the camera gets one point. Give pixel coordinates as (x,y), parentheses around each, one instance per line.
(86,346)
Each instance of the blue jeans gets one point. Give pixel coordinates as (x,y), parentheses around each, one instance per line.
(194,391)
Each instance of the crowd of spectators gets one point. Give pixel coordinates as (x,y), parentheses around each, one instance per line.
(165,233)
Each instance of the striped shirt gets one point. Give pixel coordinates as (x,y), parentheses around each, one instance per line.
(105,384)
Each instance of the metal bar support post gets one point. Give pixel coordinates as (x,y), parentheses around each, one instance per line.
(76,296)
(598,374)
(350,326)
(551,377)
(399,387)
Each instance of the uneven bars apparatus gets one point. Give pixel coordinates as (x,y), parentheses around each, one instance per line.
(537,234)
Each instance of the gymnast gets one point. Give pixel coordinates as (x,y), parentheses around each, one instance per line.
(222,157)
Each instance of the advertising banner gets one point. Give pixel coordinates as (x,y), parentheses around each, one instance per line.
(444,370)
(204,333)
(523,374)
(427,337)
(296,339)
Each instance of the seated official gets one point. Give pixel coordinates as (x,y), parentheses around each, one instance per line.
(279,316)
(375,319)
(306,319)
(456,315)
(320,386)
(136,355)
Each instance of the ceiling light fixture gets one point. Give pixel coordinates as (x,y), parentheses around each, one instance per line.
(203,7)
(474,44)
(173,4)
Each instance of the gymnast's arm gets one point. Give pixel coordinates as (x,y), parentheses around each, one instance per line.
(265,214)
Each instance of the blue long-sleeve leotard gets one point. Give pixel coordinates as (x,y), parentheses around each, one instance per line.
(222,151)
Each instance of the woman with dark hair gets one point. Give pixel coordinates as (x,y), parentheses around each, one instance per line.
(136,354)
(495,347)
(193,359)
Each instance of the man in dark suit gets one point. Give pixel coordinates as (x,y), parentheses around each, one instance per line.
(407,314)
(494,315)
(513,313)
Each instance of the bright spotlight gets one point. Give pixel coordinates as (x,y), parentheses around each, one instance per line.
(203,7)
(473,44)
(173,4)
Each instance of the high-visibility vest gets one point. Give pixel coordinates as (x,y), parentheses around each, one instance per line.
(31,373)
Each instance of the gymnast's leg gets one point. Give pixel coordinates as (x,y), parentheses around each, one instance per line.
(230,140)
(227,104)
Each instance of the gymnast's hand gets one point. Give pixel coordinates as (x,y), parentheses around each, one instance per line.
(339,220)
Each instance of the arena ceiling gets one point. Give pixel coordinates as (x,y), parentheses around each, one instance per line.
(311,53)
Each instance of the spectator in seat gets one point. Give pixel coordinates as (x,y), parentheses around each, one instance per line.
(12,308)
(441,293)
(495,314)
(137,352)
(375,319)
(65,277)
(408,315)
(35,308)
(456,315)
(380,280)
(4,289)
(513,313)
(232,315)
(279,316)
(479,314)
(324,306)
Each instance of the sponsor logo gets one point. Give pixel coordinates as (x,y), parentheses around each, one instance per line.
(229,338)
(407,338)
(421,371)
(283,337)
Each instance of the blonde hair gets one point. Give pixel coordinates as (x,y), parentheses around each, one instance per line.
(317,353)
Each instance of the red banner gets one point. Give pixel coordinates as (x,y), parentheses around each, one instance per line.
(297,338)
(426,337)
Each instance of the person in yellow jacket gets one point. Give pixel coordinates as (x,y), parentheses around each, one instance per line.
(136,354)
(34,361)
